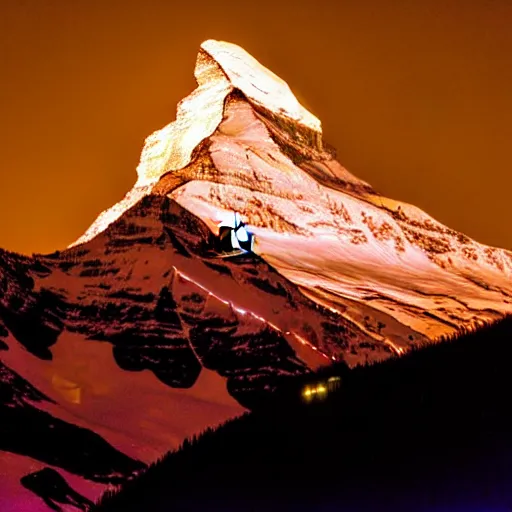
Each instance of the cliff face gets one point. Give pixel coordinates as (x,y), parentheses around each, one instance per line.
(141,334)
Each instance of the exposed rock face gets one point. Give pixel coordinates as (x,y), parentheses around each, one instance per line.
(139,335)
(346,247)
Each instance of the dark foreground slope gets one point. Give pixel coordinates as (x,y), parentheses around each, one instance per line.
(429,431)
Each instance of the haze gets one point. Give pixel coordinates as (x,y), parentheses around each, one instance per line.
(415,96)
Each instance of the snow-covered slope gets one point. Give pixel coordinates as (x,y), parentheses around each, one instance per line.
(139,334)
(342,243)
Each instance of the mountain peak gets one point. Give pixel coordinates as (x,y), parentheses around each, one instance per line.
(260,85)
(221,68)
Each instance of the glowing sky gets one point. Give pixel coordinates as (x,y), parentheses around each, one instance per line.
(415,96)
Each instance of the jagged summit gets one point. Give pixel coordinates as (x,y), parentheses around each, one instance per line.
(221,68)
(260,85)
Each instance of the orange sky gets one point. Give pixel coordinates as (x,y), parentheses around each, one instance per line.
(415,95)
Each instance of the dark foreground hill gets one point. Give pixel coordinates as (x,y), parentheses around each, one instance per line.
(428,431)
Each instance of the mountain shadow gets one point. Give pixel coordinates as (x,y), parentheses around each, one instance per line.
(54,490)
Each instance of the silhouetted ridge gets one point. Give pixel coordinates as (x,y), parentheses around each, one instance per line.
(424,423)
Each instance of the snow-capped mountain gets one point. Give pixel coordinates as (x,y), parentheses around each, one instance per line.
(144,332)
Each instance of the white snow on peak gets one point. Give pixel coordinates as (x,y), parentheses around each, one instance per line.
(259,84)
(220,68)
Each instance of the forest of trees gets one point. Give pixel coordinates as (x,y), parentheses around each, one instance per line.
(431,430)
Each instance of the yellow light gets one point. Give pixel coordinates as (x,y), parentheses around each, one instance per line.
(70,391)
